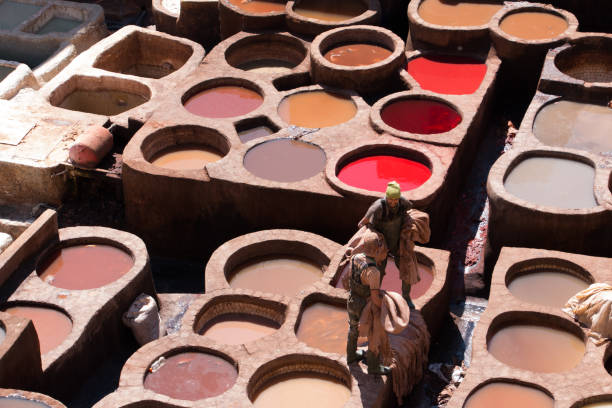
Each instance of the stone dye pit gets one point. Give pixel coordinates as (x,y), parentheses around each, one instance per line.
(316,109)
(508,395)
(223,102)
(447,74)
(52,326)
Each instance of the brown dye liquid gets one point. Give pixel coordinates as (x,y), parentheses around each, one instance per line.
(549,288)
(325,327)
(254,133)
(575,125)
(506,395)
(13,402)
(537,348)
(102,102)
(276,274)
(259,6)
(533,25)
(354,55)
(458,13)
(186,157)
(285,160)
(304,391)
(52,326)
(316,109)
(85,266)
(332,11)
(235,328)
(192,376)
(553,182)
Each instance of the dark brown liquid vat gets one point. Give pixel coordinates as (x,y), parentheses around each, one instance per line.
(186,157)
(549,288)
(316,109)
(192,376)
(533,25)
(458,13)
(233,328)
(103,102)
(554,182)
(331,11)
(537,348)
(575,125)
(13,402)
(303,390)
(276,274)
(254,133)
(52,326)
(354,55)
(259,6)
(285,160)
(84,266)
(506,395)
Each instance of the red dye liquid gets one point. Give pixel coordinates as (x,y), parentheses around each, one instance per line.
(374,172)
(223,102)
(447,74)
(420,116)
(192,376)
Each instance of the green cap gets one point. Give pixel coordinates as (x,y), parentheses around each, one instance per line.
(393,190)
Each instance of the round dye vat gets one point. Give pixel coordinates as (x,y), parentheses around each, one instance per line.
(355,55)
(303,390)
(324,326)
(421,116)
(268,66)
(537,348)
(285,160)
(186,157)
(102,102)
(52,326)
(392,282)
(259,6)
(84,266)
(276,274)
(192,376)
(548,288)
(330,11)
(316,109)
(553,182)
(15,402)
(533,25)
(507,395)
(233,328)
(223,102)
(575,125)
(447,74)
(458,13)
(374,172)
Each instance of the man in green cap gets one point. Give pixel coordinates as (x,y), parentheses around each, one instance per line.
(388,216)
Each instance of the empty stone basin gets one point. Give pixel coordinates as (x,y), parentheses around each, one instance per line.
(587,59)
(58,24)
(259,6)
(392,282)
(282,274)
(5,71)
(86,266)
(52,326)
(266,53)
(330,11)
(285,160)
(508,395)
(106,96)
(574,125)
(16,402)
(316,109)
(221,101)
(419,115)
(539,343)
(458,13)
(373,172)
(324,326)
(534,24)
(13,13)
(547,282)
(144,55)
(32,53)
(191,376)
(553,182)
(447,74)
(238,328)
